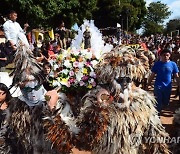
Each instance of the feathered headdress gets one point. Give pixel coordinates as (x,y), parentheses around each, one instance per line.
(119,69)
(120,63)
(26,66)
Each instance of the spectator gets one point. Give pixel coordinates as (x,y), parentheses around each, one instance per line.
(38,54)
(44,49)
(3,58)
(46,71)
(9,52)
(61,31)
(164,69)
(51,54)
(5,97)
(13,30)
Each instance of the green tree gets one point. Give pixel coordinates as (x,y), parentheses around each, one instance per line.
(153,28)
(107,13)
(173,25)
(48,13)
(140,14)
(133,14)
(157,13)
(129,14)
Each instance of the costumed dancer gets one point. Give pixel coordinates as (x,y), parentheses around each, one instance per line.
(30,119)
(176,122)
(117,116)
(116,111)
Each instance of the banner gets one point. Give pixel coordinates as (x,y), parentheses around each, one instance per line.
(134,46)
(51,34)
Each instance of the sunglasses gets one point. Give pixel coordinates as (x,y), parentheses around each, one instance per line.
(29,89)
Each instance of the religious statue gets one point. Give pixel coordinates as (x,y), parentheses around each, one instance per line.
(87,38)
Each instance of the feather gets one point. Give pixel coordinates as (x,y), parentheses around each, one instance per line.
(176,122)
(109,128)
(26,65)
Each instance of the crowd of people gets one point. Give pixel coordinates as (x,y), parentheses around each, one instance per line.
(35,119)
(49,49)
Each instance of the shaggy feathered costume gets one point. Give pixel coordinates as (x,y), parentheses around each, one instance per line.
(117,116)
(176,122)
(61,127)
(33,130)
(25,132)
(27,129)
(141,57)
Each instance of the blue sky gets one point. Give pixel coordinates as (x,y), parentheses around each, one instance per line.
(174,7)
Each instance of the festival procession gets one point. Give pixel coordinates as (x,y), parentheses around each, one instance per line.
(95,77)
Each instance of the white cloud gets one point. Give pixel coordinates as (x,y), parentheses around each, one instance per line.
(149,1)
(175,7)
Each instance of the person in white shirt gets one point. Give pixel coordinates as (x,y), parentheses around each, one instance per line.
(13,31)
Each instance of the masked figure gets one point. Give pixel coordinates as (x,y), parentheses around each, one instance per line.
(116,117)
(31,118)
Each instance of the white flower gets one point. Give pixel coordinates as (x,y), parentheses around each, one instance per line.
(94,62)
(79,75)
(75,51)
(56,83)
(67,64)
(65,71)
(92,74)
(65,53)
(88,55)
(91,80)
(55,67)
(83,52)
(81,65)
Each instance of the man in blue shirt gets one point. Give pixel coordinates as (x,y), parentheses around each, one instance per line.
(163,69)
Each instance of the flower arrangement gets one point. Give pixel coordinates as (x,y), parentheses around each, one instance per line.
(74,70)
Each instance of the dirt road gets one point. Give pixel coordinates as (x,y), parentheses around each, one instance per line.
(168,112)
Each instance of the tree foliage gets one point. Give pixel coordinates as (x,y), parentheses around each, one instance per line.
(153,28)
(173,25)
(136,12)
(110,12)
(106,13)
(48,13)
(157,13)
